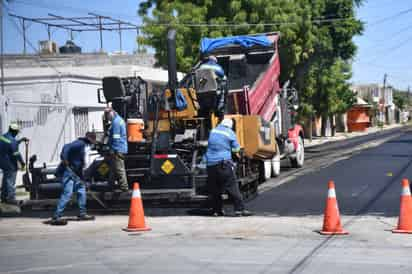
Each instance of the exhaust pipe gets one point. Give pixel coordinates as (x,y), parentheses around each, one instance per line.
(171,60)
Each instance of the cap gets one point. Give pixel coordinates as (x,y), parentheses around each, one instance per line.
(212,58)
(14,126)
(227,122)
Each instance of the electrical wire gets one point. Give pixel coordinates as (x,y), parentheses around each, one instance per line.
(321,20)
(390,17)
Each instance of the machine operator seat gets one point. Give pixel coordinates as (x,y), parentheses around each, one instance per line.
(113,88)
(206,81)
(209,91)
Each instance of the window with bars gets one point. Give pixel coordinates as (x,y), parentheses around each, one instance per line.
(81,121)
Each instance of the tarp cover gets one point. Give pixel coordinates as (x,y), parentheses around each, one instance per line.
(209,44)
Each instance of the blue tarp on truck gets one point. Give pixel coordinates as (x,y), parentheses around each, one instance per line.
(209,44)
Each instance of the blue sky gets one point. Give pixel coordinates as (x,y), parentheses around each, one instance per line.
(385,46)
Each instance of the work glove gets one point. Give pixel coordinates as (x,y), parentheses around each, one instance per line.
(22,166)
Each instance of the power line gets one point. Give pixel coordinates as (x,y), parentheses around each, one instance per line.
(391,50)
(393,16)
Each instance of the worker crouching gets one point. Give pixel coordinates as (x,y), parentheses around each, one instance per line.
(73,161)
(221,169)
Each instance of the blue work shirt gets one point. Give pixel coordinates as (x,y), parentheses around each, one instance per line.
(213,66)
(74,153)
(9,152)
(117,135)
(222,142)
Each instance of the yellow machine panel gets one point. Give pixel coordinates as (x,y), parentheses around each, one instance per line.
(164,125)
(255,136)
(259,137)
(239,128)
(189,112)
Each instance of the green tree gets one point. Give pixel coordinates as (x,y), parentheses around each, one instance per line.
(400,99)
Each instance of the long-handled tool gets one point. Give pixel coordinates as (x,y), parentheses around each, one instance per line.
(26,175)
(77,178)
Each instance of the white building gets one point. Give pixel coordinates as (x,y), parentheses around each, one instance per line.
(54,98)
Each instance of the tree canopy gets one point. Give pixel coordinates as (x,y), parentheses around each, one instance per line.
(316,46)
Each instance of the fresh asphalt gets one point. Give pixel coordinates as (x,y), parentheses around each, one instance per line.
(282,237)
(367,182)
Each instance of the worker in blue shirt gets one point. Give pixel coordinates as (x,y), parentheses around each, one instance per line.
(73,160)
(211,63)
(10,157)
(221,169)
(117,143)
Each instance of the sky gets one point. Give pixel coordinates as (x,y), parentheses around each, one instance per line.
(384,47)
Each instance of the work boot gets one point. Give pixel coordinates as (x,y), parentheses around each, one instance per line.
(244,213)
(85,217)
(58,221)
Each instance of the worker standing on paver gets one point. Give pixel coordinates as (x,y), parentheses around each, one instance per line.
(221,169)
(211,63)
(10,157)
(117,143)
(73,160)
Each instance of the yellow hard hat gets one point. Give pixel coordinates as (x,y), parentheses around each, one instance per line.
(14,126)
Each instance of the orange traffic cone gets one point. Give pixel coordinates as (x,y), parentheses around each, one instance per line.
(405,214)
(136,213)
(331,220)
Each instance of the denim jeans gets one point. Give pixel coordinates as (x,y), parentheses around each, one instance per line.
(8,192)
(70,185)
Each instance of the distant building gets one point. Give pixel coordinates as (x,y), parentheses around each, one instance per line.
(383,98)
(54,97)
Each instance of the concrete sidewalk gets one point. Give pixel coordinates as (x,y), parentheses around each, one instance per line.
(339,136)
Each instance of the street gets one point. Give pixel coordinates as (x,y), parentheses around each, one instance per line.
(281,238)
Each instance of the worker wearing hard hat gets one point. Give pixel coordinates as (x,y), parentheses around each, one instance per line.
(117,143)
(211,63)
(10,157)
(221,169)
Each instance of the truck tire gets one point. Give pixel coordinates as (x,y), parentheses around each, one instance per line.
(276,163)
(297,162)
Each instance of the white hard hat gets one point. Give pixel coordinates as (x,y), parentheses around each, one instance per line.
(227,122)
(14,126)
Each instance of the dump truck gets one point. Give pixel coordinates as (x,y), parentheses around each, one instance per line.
(168,128)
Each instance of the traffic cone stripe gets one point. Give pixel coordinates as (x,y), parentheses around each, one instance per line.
(406,191)
(332,193)
(136,194)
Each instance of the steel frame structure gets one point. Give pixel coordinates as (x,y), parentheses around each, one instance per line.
(93,22)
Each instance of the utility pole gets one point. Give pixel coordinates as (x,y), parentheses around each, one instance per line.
(385,76)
